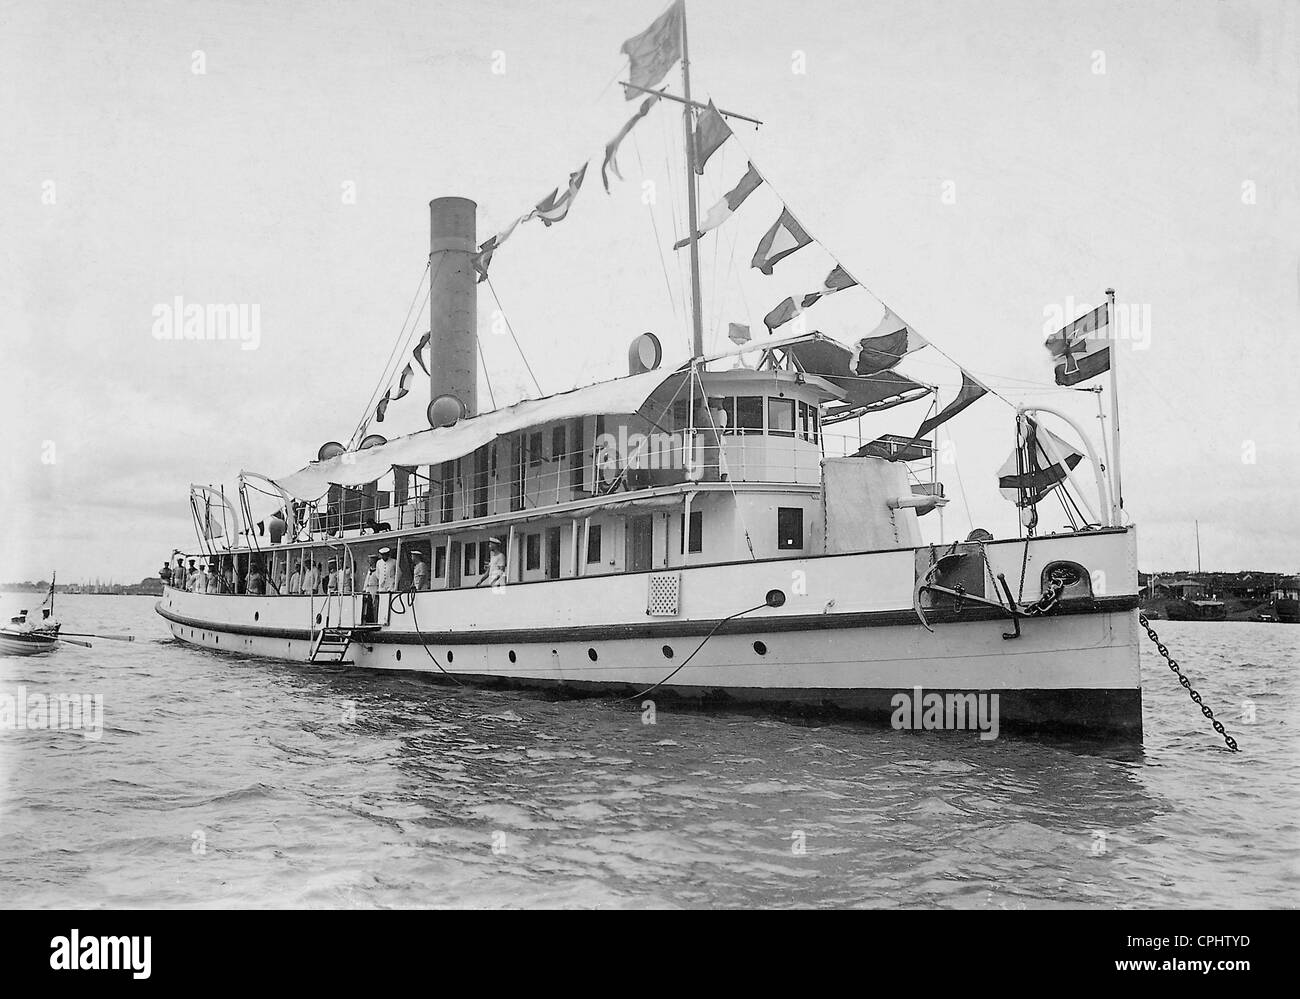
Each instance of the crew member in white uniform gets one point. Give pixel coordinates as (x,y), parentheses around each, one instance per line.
(370,594)
(387,570)
(496,574)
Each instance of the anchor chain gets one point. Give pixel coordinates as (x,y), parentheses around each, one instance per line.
(1056,585)
(1187,684)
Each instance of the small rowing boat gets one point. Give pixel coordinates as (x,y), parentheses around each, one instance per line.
(24,641)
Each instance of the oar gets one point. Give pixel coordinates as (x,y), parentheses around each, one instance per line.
(73,641)
(111,638)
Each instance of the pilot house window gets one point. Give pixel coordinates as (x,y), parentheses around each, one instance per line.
(789,528)
(749,414)
(780,417)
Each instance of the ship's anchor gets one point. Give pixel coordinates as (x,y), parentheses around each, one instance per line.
(960,595)
(1187,684)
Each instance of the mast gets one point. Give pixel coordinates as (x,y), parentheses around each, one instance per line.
(1198,545)
(697,321)
(1116,492)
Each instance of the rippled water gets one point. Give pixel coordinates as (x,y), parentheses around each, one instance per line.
(226,781)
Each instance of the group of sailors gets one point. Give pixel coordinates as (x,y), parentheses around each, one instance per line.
(22,622)
(317,578)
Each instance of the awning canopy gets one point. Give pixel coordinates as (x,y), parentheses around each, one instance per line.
(430,447)
(820,355)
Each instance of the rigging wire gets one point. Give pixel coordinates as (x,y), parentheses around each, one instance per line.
(402,337)
(659,243)
(511,329)
(478,341)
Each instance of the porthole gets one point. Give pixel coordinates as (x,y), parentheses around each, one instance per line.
(513,657)
(218,638)
(399,655)
(257,615)
(668,651)
(760,648)
(318,619)
(451,656)
(591,654)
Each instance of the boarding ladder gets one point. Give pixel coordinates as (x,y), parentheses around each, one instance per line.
(331,646)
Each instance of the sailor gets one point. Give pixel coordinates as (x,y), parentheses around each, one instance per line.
(19,621)
(370,593)
(229,586)
(192,579)
(332,579)
(180,579)
(295,580)
(496,573)
(419,571)
(165,574)
(256,581)
(311,582)
(48,620)
(277,527)
(347,576)
(214,582)
(387,570)
(202,583)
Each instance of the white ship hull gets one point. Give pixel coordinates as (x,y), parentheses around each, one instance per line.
(847,638)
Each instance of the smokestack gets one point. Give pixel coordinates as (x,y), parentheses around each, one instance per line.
(453,302)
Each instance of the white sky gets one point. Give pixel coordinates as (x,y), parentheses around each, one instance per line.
(227,187)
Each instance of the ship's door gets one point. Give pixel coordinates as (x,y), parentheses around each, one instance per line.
(552,553)
(453,565)
(640,543)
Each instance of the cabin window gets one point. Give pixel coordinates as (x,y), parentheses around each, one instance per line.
(593,543)
(789,528)
(471,559)
(440,562)
(481,482)
(533,551)
(780,417)
(446,489)
(558,443)
(693,539)
(576,481)
(815,414)
(749,414)
(516,474)
(805,425)
(484,557)
(535,455)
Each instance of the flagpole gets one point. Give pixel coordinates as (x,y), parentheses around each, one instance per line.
(1117,492)
(697,322)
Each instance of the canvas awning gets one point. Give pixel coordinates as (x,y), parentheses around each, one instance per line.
(820,355)
(430,447)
